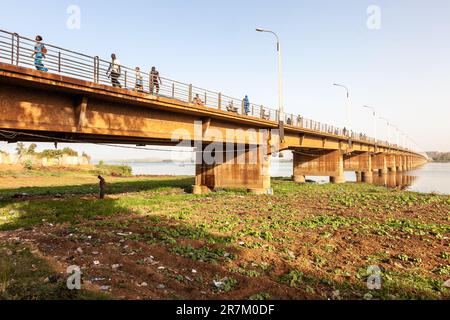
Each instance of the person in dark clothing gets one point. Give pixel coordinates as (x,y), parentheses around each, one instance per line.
(102,186)
(155,81)
(246,102)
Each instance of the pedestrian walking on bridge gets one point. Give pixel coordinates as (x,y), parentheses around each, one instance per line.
(114,71)
(155,81)
(39,54)
(246,103)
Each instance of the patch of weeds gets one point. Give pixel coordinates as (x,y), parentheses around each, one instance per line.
(443,270)
(403,257)
(205,254)
(225,285)
(260,296)
(293,278)
(319,260)
(247,273)
(445,255)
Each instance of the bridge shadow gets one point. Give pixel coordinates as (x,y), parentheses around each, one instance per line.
(25,193)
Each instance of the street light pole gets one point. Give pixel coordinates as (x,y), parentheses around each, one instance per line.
(280,79)
(388,129)
(374,113)
(348,104)
(398,134)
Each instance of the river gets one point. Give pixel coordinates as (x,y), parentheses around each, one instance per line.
(433,177)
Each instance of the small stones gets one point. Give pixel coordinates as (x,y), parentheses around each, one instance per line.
(161,286)
(116,266)
(143,284)
(194,271)
(446,284)
(79,251)
(105,288)
(336,295)
(96,263)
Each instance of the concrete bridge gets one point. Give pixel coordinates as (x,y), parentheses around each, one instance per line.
(74,102)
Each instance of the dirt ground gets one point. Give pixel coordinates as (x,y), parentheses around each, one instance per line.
(160,242)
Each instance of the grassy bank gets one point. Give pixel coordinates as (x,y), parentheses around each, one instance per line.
(151,240)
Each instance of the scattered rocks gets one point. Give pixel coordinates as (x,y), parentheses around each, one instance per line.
(336,295)
(79,251)
(150,260)
(291,254)
(447,284)
(194,271)
(96,263)
(97,279)
(143,284)
(105,288)
(160,286)
(116,266)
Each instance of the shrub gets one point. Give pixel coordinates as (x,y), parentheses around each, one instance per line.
(28,165)
(111,170)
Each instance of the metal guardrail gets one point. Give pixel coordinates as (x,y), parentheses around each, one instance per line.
(18,50)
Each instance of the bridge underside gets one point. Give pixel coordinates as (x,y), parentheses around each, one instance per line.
(40,107)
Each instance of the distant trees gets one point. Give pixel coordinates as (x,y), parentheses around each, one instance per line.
(439,156)
(48,153)
(32,148)
(22,151)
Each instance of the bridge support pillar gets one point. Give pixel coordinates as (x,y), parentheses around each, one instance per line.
(367,177)
(399,163)
(361,163)
(249,169)
(319,163)
(407,163)
(358,176)
(379,164)
(391,163)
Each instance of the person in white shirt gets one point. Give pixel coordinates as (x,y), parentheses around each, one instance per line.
(115,71)
(139,86)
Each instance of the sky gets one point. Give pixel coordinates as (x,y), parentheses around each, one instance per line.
(401,68)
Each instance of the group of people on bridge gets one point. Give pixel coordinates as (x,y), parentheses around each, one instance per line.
(114,73)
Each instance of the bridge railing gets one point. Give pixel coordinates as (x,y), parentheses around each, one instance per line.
(18,50)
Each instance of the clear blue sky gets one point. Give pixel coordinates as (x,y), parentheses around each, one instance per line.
(403,69)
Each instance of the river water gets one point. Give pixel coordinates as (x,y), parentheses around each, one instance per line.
(433,177)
